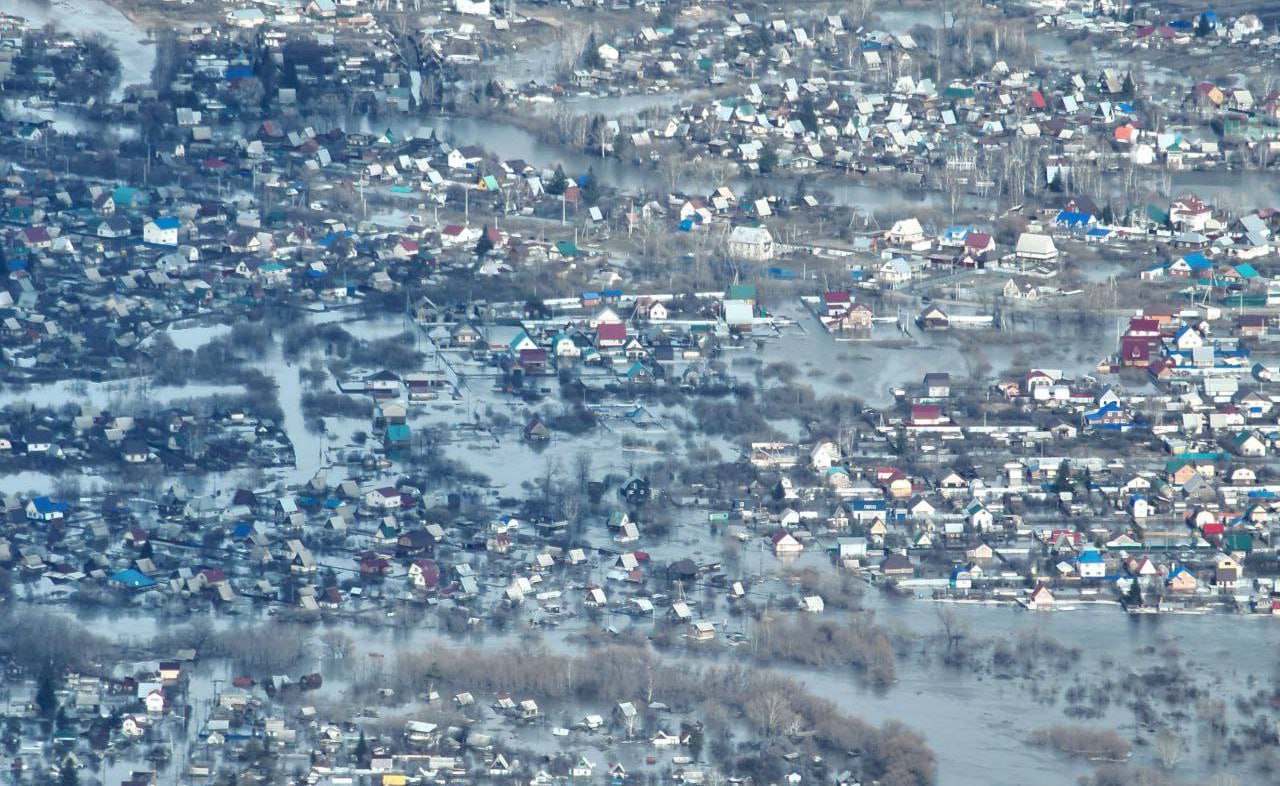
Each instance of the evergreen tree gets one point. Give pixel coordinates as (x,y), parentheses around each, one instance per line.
(46,694)
(797,196)
(1133,598)
(362,748)
(68,775)
(559,182)
(591,53)
(484,244)
(1203,27)
(768,160)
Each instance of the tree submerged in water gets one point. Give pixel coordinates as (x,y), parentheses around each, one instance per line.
(1133,597)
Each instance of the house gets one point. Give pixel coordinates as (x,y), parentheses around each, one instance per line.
(897,565)
(1189,214)
(162,231)
(702,631)
(1181,581)
(979,516)
(979,247)
(1041,598)
(937,384)
(1034,247)
(1091,565)
(894,272)
(751,243)
(46,510)
(114,227)
(385,498)
(155,702)
(933,318)
(611,335)
(1226,573)
(907,233)
(786,545)
(1249,445)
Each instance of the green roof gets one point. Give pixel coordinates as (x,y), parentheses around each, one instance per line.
(567,248)
(1238,541)
(741,292)
(398,433)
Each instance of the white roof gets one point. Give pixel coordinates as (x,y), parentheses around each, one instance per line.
(1031,243)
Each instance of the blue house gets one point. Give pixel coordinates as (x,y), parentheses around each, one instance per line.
(45,509)
(1073,220)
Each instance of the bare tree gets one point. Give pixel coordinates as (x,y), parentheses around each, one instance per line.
(1170,747)
(954,630)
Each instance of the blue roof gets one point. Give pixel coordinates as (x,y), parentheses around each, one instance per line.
(46,505)
(330,238)
(242,531)
(239,72)
(1074,219)
(1091,556)
(168,222)
(124,195)
(1197,261)
(133,579)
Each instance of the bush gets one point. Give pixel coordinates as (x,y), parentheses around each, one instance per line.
(1083,742)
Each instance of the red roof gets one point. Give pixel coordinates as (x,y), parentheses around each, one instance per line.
(1037,98)
(977,241)
(836,297)
(926,412)
(611,331)
(1144,325)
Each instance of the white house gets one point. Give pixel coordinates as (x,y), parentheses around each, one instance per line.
(907,232)
(1033,247)
(751,243)
(162,231)
(385,498)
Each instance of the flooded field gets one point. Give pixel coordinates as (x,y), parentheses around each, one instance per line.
(96,17)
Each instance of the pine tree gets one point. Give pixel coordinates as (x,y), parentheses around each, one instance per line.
(768,160)
(68,775)
(559,182)
(591,53)
(484,244)
(46,694)
(1133,598)
(362,748)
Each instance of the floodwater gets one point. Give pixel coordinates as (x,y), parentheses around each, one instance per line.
(95,17)
(508,141)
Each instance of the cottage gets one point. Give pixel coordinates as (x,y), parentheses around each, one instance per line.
(1033,247)
(751,243)
(162,231)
